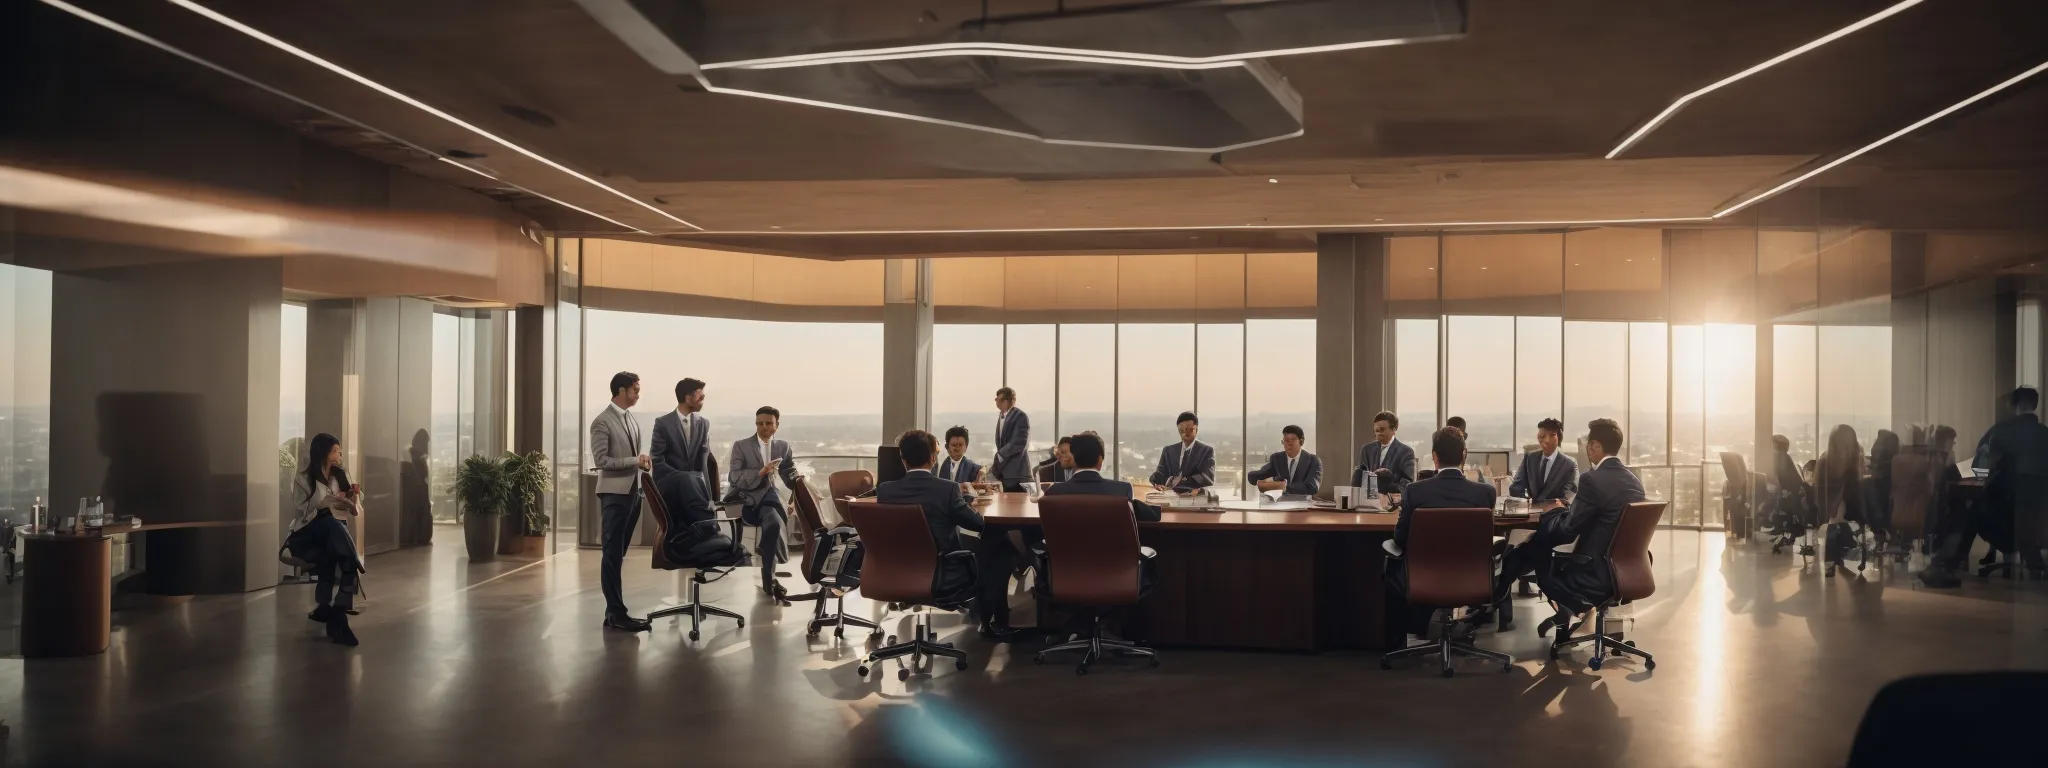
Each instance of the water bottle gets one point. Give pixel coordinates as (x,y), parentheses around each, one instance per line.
(35,515)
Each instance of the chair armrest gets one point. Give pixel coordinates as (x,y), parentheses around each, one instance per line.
(960,554)
(1392,550)
(1572,556)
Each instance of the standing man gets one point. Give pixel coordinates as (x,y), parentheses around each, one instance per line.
(1547,474)
(1292,471)
(1188,465)
(681,437)
(1393,461)
(957,467)
(1013,438)
(751,470)
(615,453)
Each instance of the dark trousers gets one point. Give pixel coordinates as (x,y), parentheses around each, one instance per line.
(621,516)
(997,558)
(1522,561)
(332,551)
(1410,619)
(773,547)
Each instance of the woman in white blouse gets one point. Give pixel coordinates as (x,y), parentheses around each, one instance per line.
(320,538)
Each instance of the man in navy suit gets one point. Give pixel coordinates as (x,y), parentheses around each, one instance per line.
(945,510)
(1393,461)
(1591,520)
(1189,464)
(957,467)
(682,438)
(1292,471)
(1088,479)
(1547,474)
(1447,489)
(1011,464)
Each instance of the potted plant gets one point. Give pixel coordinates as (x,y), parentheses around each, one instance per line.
(481,491)
(526,521)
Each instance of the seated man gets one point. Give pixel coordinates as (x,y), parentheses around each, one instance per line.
(1577,584)
(957,467)
(1292,471)
(1548,473)
(944,509)
(1058,467)
(1447,489)
(752,467)
(1188,465)
(1088,479)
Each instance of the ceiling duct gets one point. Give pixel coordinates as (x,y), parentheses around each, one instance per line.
(1181,76)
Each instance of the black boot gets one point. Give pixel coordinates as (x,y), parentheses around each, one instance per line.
(338,631)
(321,613)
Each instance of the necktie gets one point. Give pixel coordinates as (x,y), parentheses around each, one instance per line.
(1546,468)
(1290,467)
(632,430)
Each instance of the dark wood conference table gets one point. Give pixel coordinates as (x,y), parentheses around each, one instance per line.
(1298,580)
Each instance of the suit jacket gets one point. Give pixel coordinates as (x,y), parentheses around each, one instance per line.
(2016,452)
(1013,437)
(969,471)
(614,453)
(1050,471)
(1088,482)
(1604,491)
(1530,483)
(1308,473)
(944,508)
(1447,489)
(672,454)
(1396,458)
(743,471)
(1196,470)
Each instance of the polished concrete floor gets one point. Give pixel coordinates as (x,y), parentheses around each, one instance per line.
(1760,663)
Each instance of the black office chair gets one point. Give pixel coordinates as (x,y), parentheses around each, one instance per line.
(831,561)
(709,552)
(1977,718)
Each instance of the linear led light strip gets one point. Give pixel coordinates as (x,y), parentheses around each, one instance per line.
(127,32)
(1772,62)
(415,103)
(1023,50)
(1951,109)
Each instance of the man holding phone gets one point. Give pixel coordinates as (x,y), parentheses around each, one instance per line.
(753,464)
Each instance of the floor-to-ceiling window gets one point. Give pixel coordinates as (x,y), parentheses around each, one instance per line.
(24,390)
(1477,383)
(1415,378)
(1087,390)
(444,417)
(1030,369)
(1280,389)
(1220,400)
(964,391)
(1155,383)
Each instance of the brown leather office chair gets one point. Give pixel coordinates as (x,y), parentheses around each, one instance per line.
(1093,561)
(1450,565)
(713,566)
(1916,471)
(1628,554)
(818,542)
(848,483)
(901,567)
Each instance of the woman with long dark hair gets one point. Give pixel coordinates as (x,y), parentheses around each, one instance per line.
(1838,482)
(322,540)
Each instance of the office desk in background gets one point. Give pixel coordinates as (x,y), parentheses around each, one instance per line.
(67,598)
(1288,581)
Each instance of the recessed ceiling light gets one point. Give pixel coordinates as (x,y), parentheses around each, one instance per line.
(1767,64)
(1946,111)
(1022,50)
(1272,181)
(281,45)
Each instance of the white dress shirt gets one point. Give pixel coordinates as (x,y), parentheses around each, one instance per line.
(1290,467)
(632,427)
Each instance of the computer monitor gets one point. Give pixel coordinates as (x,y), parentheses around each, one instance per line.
(888,464)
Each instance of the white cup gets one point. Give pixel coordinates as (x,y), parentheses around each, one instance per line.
(1344,494)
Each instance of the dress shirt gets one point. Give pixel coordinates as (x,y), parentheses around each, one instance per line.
(1290,468)
(767,454)
(632,427)
(953,469)
(684,417)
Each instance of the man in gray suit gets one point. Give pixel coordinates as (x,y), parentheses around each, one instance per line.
(1386,457)
(1011,464)
(615,451)
(1188,465)
(751,469)
(682,439)
(1549,473)
(1292,471)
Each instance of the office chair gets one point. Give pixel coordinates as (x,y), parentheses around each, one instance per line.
(1450,566)
(819,543)
(1628,560)
(1915,472)
(1916,721)
(846,484)
(701,552)
(902,567)
(1092,560)
(1738,495)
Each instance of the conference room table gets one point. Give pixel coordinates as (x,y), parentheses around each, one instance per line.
(1263,579)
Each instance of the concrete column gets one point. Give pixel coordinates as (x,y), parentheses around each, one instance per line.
(906,347)
(164,399)
(531,373)
(1353,364)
